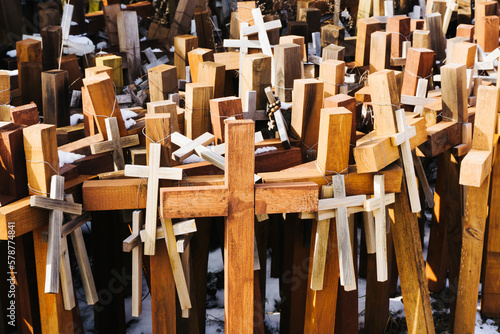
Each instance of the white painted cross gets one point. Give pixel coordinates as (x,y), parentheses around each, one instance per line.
(378,204)
(137,222)
(402,139)
(57,207)
(115,143)
(153,172)
(421,92)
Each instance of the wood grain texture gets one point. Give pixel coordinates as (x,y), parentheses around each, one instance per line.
(162,82)
(210,202)
(487,26)
(454,90)
(128,37)
(366,27)
(287,63)
(255,71)
(332,73)
(26,114)
(195,58)
(380,48)
(399,27)
(158,129)
(106,195)
(55,97)
(28,51)
(51,42)
(301,197)
(213,74)
(220,110)
(115,62)
(419,64)
(29,78)
(197,113)
(12,162)
(183,44)
(434,24)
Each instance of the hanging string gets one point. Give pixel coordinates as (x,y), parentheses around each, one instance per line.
(115,105)
(219,116)
(328,178)
(157,142)
(36,191)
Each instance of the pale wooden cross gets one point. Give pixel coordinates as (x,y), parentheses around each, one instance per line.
(451,6)
(402,139)
(239,200)
(57,207)
(115,143)
(378,204)
(280,121)
(153,61)
(137,222)
(153,172)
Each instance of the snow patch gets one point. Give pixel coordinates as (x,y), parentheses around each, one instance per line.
(123,6)
(127,113)
(101,45)
(73,119)
(68,157)
(192,159)
(129,123)
(11,53)
(215,263)
(265,149)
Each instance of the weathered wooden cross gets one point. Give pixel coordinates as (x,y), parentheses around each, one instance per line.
(115,143)
(238,200)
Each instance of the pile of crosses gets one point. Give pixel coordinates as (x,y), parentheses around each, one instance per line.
(294,148)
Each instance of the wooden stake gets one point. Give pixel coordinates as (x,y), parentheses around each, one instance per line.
(366,27)
(128,36)
(380,41)
(196,57)
(287,69)
(197,113)
(183,44)
(220,110)
(162,82)
(213,74)
(115,62)
(256,75)
(55,97)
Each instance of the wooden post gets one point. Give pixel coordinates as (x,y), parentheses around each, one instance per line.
(399,27)
(183,44)
(454,91)
(52,41)
(110,19)
(306,109)
(287,63)
(332,34)
(421,39)
(467,31)
(220,110)
(380,40)
(90,71)
(162,82)
(197,113)
(28,51)
(196,57)
(475,170)
(70,63)
(434,25)
(334,52)
(13,171)
(332,73)
(182,19)
(101,92)
(419,63)
(4,96)
(213,74)
(115,62)
(348,102)
(30,78)
(366,27)
(294,39)
(256,75)
(128,35)
(485,27)
(166,107)
(55,97)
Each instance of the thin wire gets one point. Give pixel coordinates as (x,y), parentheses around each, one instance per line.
(156,142)
(94,114)
(47,163)
(235,115)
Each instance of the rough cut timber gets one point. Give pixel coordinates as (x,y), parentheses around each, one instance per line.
(128,36)
(110,19)
(220,110)
(332,73)
(55,97)
(256,75)
(197,113)
(419,63)
(183,44)
(115,62)
(287,64)
(334,52)
(28,51)
(486,27)
(26,114)
(421,39)
(182,19)
(101,91)
(12,162)
(158,130)
(399,27)
(51,40)
(434,25)
(306,110)
(454,91)
(213,74)
(476,209)
(332,34)
(380,51)
(294,39)
(195,58)
(166,107)
(90,71)
(4,95)
(162,82)
(366,27)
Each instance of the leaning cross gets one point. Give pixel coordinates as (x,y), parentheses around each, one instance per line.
(57,206)
(153,172)
(377,204)
(451,6)
(402,139)
(238,200)
(115,143)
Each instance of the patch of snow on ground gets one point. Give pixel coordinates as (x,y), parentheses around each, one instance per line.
(68,157)
(11,53)
(192,159)
(73,119)
(265,149)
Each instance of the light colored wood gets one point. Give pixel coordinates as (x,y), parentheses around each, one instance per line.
(115,62)
(180,228)
(385,101)
(334,52)
(162,82)
(343,238)
(380,49)
(366,27)
(42,161)
(195,58)
(422,177)
(464,53)
(332,73)
(128,36)
(53,204)
(421,39)
(183,44)
(334,140)
(159,127)
(187,148)
(197,113)
(467,31)
(115,143)
(287,64)
(66,277)
(220,110)
(256,75)
(364,10)
(101,92)
(4,89)
(399,27)
(454,90)
(213,74)
(370,233)
(263,39)
(320,246)
(137,221)
(165,107)
(301,197)
(90,71)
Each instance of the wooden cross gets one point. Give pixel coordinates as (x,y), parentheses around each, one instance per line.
(402,139)
(451,6)
(153,172)
(137,222)
(280,121)
(153,61)
(238,200)
(115,143)
(57,206)
(378,204)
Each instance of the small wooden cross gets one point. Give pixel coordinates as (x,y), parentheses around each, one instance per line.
(280,121)
(451,6)
(57,206)
(115,143)
(153,61)
(377,204)
(137,221)
(153,172)
(402,139)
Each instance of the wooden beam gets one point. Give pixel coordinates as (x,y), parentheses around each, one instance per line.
(220,110)
(162,82)
(332,73)
(51,40)
(110,19)
(115,62)
(399,27)
(419,63)
(182,19)
(196,57)
(287,63)
(487,26)
(434,25)
(366,27)
(421,39)
(12,161)
(183,44)
(303,198)
(128,36)
(55,96)
(256,75)
(197,113)
(380,51)
(28,51)
(213,74)
(454,91)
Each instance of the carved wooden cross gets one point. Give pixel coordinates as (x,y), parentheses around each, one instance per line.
(57,206)
(153,172)
(378,204)
(402,139)
(115,143)
(238,200)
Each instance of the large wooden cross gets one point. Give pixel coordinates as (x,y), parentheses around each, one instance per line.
(58,206)
(115,143)
(153,172)
(238,200)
